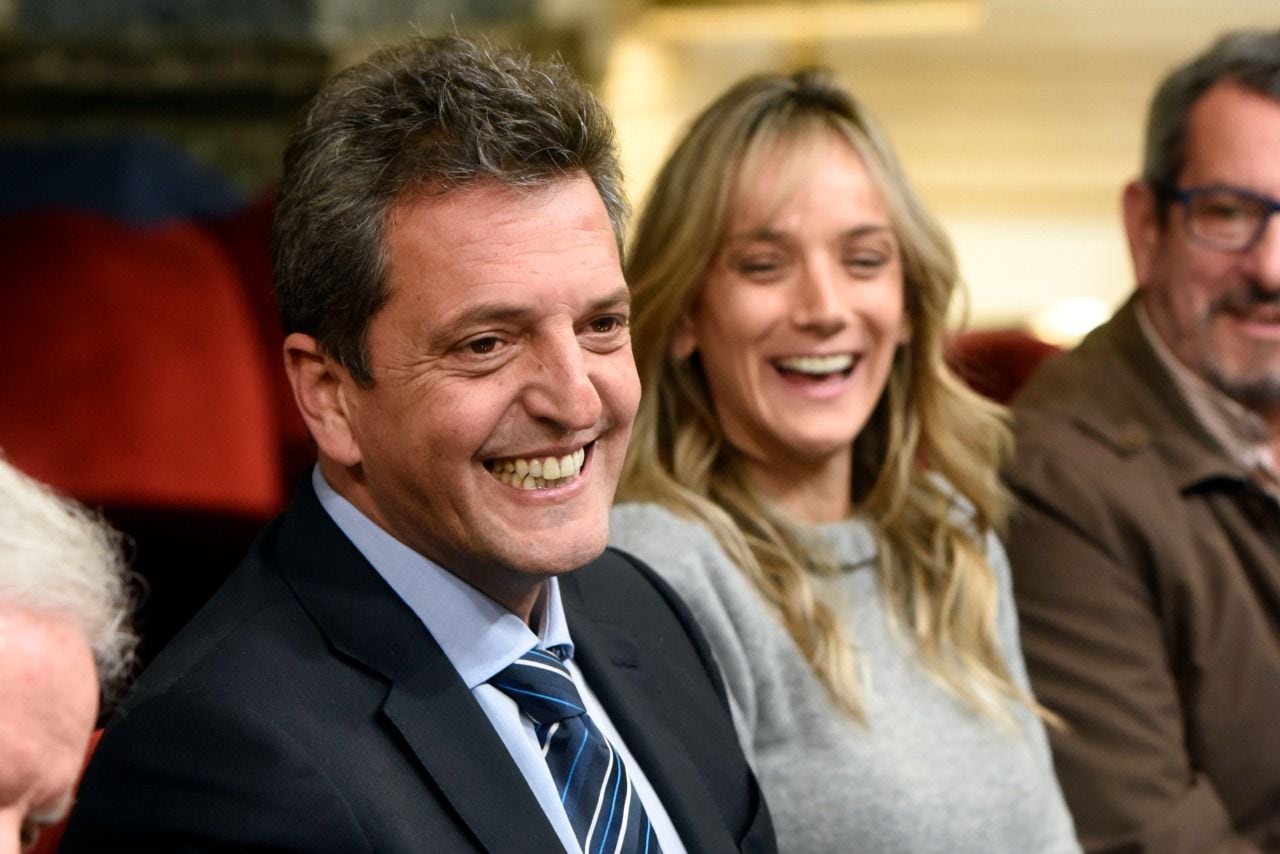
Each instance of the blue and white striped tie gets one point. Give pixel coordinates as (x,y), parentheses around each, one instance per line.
(603,807)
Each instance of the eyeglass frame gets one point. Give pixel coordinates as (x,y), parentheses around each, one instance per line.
(1186,195)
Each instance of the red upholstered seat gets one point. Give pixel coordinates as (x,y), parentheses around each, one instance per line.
(995,363)
(133,370)
(246,236)
(135,379)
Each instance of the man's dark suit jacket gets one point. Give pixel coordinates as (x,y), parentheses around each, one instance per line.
(305,708)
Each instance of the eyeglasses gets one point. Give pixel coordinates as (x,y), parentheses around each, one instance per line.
(1223,217)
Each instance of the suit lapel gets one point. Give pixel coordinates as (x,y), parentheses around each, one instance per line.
(442,725)
(450,735)
(612,662)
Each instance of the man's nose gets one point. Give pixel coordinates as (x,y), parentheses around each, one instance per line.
(560,389)
(1263,259)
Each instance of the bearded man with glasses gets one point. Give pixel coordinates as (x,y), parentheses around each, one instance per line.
(1146,552)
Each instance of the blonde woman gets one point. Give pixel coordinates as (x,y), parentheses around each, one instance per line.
(822,491)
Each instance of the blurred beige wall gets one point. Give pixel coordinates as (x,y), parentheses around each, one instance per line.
(1018,120)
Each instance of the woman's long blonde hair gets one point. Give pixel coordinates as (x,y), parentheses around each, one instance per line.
(932,567)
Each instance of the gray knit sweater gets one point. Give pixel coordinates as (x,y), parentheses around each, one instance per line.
(926,775)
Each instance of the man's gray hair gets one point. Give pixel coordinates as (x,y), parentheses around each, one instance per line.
(57,557)
(433,115)
(1249,59)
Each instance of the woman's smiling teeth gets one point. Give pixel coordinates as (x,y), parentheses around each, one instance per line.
(816,366)
(538,473)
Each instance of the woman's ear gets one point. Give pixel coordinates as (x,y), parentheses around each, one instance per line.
(685,341)
(904,329)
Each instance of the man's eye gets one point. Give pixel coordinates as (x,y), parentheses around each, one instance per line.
(1227,207)
(483,346)
(606,324)
(1223,210)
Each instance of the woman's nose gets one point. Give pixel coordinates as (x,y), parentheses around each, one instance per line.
(818,303)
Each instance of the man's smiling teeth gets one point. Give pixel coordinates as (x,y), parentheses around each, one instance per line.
(539,473)
(816,365)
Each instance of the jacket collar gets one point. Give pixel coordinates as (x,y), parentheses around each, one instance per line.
(427,703)
(1140,408)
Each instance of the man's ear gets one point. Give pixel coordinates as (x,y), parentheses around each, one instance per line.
(321,389)
(685,341)
(1142,227)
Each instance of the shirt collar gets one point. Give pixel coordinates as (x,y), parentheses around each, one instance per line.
(1241,433)
(479,636)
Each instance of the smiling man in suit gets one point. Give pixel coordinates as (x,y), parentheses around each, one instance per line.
(405,661)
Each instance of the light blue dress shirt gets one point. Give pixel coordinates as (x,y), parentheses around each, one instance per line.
(481,638)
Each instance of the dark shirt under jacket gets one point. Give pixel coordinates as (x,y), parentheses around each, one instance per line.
(1147,574)
(305,708)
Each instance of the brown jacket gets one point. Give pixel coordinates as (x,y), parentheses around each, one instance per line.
(1147,575)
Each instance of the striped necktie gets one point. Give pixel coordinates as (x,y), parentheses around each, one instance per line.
(603,807)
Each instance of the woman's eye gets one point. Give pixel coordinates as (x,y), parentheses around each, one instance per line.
(758,267)
(866,261)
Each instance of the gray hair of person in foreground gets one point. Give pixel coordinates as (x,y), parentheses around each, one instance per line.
(57,557)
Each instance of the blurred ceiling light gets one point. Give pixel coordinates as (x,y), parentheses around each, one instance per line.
(821,20)
(1068,320)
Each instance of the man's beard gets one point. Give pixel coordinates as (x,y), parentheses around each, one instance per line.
(1260,392)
